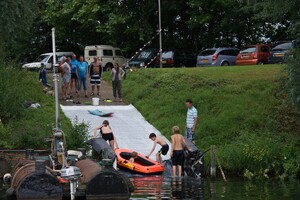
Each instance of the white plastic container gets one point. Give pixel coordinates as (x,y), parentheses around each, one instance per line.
(95,101)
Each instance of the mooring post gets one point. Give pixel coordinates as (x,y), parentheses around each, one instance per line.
(213,161)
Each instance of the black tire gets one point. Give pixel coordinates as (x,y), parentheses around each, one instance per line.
(225,63)
(108,67)
(260,62)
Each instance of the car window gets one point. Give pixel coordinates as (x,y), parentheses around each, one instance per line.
(42,58)
(145,54)
(248,50)
(107,52)
(167,54)
(224,52)
(118,53)
(265,49)
(92,53)
(207,52)
(232,52)
(283,46)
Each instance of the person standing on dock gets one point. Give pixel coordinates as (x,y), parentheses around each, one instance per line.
(177,152)
(191,121)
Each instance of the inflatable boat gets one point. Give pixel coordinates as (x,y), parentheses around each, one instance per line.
(141,164)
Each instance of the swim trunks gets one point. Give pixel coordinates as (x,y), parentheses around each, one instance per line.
(177,158)
(164,149)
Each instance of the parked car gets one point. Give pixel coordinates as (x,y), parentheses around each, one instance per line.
(177,58)
(144,58)
(47,60)
(106,53)
(282,50)
(253,55)
(222,56)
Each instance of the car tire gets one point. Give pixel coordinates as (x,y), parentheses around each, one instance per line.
(260,62)
(225,63)
(108,67)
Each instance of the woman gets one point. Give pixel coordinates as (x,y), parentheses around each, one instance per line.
(66,77)
(116,74)
(107,134)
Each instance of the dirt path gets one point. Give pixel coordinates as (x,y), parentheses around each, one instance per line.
(105,93)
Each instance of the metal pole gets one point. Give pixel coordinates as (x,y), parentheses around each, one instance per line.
(160,36)
(57,125)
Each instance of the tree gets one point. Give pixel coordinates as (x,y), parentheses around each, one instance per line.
(16,20)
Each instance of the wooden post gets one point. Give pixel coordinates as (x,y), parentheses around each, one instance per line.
(212,161)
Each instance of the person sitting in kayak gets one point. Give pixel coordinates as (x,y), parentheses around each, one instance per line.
(107,134)
(164,147)
(134,155)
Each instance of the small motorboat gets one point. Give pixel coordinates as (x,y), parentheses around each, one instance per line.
(141,163)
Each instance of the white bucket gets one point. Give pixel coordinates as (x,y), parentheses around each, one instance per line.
(95,101)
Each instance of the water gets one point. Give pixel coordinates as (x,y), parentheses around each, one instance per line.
(159,187)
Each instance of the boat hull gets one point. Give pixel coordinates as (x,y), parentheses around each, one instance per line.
(142,164)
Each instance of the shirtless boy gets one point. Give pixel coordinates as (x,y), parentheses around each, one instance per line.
(177,153)
(164,147)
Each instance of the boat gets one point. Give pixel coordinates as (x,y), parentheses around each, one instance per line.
(141,164)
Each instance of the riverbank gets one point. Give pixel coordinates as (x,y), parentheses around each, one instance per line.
(241,110)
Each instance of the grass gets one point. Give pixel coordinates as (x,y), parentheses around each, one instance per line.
(238,108)
(26,127)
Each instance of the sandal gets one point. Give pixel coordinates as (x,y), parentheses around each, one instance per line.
(92,94)
(86,96)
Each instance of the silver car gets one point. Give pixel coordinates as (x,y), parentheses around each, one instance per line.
(222,56)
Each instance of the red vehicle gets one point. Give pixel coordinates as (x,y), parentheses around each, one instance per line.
(253,55)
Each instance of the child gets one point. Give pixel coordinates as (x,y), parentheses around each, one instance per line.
(177,153)
(134,155)
(164,147)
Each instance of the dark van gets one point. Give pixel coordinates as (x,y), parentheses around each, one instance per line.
(144,58)
(177,58)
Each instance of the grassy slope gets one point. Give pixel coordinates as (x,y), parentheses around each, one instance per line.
(239,111)
(31,128)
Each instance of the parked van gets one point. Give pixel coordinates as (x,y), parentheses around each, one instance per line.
(144,58)
(46,59)
(107,54)
(222,56)
(177,58)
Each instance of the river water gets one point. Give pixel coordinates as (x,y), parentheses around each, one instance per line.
(159,187)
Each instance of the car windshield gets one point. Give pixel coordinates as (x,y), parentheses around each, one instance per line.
(167,54)
(145,54)
(207,52)
(42,58)
(283,46)
(248,50)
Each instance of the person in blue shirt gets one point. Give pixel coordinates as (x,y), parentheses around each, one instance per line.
(73,65)
(82,73)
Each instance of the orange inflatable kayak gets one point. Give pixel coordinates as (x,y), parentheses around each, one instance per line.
(141,164)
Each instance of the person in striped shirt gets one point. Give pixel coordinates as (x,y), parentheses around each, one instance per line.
(191,121)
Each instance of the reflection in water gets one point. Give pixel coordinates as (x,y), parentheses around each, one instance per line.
(159,187)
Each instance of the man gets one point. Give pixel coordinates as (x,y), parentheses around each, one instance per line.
(81,73)
(95,75)
(74,82)
(191,121)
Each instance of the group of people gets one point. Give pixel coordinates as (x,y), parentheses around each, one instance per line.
(74,75)
(177,140)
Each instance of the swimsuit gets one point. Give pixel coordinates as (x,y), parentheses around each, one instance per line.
(178,157)
(164,149)
(107,136)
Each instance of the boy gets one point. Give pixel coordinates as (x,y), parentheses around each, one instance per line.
(177,153)
(164,147)
(134,155)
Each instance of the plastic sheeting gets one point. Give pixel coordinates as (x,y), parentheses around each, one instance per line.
(129,127)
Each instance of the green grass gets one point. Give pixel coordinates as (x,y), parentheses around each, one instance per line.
(26,127)
(238,107)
